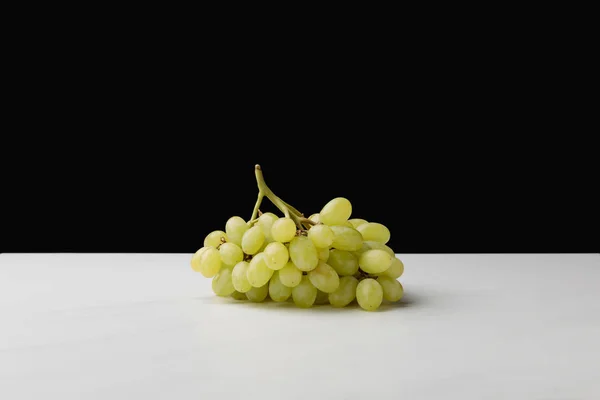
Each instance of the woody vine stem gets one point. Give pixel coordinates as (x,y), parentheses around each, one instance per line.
(301,222)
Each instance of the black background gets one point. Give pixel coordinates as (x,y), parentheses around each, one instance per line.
(122,155)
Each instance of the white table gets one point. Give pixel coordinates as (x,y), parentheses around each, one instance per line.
(145,326)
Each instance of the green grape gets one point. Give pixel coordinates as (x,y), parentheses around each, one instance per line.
(213,239)
(349,224)
(266,221)
(303,253)
(322,298)
(277,290)
(258,294)
(336,212)
(346,238)
(239,277)
(321,235)
(289,275)
(221,283)
(375,232)
(345,293)
(323,254)
(370,244)
(374,261)
(369,294)
(252,240)
(315,218)
(364,247)
(356,222)
(283,230)
(395,270)
(276,255)
(239,296)
(210,262)
(231,253)
(195,261)
(344,262)
(324,278)
(235,228)
(392,289)
(304,294)
(258,273)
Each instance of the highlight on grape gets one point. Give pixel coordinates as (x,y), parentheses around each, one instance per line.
(327,258)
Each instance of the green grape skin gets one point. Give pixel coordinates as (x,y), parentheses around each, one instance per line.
(346,238)
(323,254)
(210,262)
(304,294)
(373,231)
(276,255)
(372,245)
(239,277)
(356,222)
(336,211)
(315,218)
(369,294)
(235,228)
(266,221)
(289,275)
(258,294)
(283,230)
(344,262)
(253,240)
(277,290)
(345,293)
(374,261)
(392,289)
(364,247)
(258,273)
(324,278)
(222,284)
(395,270)
(195,261)
(321,236)
(238,295)
(303,253)
(213,239)
(322,298)
(231,253)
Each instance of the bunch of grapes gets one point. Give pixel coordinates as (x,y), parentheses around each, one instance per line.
(324,259)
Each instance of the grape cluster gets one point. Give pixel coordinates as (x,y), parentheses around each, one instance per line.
(324,259)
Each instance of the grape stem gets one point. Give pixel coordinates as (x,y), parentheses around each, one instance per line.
(285,208)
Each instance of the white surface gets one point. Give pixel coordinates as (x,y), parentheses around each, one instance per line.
(147,327)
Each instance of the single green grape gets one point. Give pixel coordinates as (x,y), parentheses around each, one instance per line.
(304,294)
(215,238)
(336,212)
(392,289)
(283,230)
(252,240)
(315,218)
(210,262)
(345,293)
(344,262)
(235,228)
(323,254)
(371,244)
(258,273)
(231,253)
(289,275)
(266,221)
(303,253)
(395,270)
(346,238)
(239,296)
(374,231)
(369,294)
(239,277)
(276,255)
(374,261)
(356,222)
(277,290)
(195,261)
(221,283)
(258,294)
(321,236)
(324,278)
